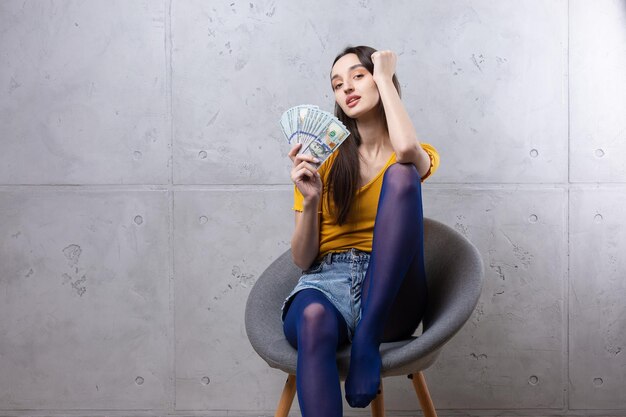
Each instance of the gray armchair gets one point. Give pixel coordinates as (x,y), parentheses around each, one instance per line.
(454,272)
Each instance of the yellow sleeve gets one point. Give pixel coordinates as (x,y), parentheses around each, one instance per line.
(298,199)
(434,159)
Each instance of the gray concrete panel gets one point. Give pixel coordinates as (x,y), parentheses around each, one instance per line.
(598,91)
(497,110)
(84,300)
(234,72)
(82,96)
(488,87)
(224,240)
(597,294)
(511,353)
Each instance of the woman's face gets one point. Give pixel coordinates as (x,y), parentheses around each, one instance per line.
(350,80)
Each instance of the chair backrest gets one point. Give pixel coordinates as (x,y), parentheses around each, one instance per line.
(454,273)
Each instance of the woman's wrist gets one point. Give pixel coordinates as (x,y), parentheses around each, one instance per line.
(311,202)
(384,81)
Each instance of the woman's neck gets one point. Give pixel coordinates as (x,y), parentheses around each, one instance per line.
(374,136)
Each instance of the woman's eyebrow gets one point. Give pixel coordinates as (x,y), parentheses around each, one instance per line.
(349,69)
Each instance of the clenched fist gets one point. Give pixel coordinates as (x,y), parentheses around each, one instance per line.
(384,64)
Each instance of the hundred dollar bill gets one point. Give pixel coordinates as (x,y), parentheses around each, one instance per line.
(319,132)
(322,146)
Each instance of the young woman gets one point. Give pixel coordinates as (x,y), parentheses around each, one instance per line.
(358,237)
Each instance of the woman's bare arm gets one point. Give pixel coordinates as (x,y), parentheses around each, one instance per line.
(305,242)
(401,131)
(305,239)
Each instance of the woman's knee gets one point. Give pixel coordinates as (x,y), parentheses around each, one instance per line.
(319,329)
(401,178)
(319,320)
(312,322)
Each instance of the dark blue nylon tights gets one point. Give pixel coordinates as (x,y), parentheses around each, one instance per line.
(394,290)
(316,328)
(393,300)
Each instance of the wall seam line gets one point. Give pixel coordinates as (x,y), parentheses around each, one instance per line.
(566,305)
(171,406)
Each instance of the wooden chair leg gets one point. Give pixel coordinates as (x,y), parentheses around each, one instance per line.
(419,383)
(378,403)
(286,398)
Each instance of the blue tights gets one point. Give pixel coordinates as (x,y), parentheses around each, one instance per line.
(393,301)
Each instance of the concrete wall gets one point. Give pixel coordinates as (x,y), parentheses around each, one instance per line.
(144,187)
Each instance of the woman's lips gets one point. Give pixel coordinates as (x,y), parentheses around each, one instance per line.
(354,102)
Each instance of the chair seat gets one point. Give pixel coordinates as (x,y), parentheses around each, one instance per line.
(281,355)
(454,273)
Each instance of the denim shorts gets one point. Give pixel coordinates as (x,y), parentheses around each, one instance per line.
(339,276)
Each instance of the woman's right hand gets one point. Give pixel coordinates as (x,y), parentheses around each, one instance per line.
(304,174)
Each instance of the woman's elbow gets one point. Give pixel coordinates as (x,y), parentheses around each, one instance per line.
(414,155)
(301,260)
(296,260)
(408,154)
(300,263)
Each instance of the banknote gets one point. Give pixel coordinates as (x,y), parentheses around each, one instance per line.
(328,141)
(291,119)
(319,131)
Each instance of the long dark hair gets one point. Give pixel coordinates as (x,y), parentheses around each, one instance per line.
(343,179)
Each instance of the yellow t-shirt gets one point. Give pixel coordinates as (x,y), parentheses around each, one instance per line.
(358,231)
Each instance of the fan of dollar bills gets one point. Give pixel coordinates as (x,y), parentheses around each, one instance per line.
(320,132)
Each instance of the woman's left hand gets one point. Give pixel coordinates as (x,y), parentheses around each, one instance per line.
(384,65)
